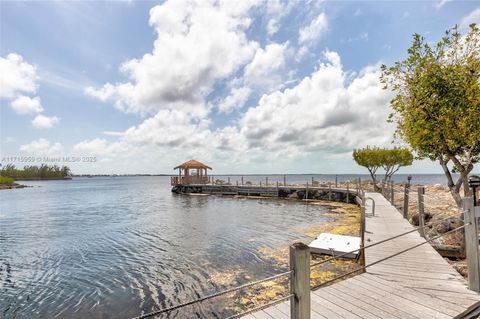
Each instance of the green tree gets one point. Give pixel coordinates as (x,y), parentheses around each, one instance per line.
(437,102)
(390,160)
(43,172)
(393,159)
(369,158)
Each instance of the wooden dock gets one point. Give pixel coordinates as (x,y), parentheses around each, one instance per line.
(416,284)
(278,191)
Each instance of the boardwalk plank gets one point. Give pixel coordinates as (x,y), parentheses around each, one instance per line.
(416,284)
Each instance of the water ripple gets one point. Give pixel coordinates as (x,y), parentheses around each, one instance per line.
(117,247)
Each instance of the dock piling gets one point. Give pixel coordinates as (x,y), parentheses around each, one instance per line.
(300,281)
(471,244)
(348,193)
(421,211)
(406,194)
(392,194)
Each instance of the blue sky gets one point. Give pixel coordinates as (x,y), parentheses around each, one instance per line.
(248,87)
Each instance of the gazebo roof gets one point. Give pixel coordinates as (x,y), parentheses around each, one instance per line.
(192,164)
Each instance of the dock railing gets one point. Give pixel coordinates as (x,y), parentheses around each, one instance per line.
(300,264)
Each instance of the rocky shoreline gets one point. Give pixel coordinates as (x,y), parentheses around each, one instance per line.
(12,186)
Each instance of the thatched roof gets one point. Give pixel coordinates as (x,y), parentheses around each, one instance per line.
(192,164)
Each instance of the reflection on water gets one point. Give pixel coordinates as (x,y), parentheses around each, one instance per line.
(114,247)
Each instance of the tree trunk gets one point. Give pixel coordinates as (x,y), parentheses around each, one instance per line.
(456,196)
(462,180)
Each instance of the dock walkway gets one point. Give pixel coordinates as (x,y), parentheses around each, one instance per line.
(416,284)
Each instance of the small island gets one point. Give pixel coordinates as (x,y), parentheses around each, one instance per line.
(9,174)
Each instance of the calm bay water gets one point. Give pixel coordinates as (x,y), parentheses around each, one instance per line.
(108,247)
(114,247)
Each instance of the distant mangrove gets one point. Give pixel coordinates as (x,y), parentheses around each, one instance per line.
(36,172)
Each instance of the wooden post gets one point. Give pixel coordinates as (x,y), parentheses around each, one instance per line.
(236,182)
(278,193)
(306,192)
(266,181)
(284,180)
(228,180)
(471,244)
(300,281)
(348,193)
(336,181)
(421,211)
(260,183)
(392,194)
(329,191)
(405,201)
(312,180)
(363,211)
(242,180)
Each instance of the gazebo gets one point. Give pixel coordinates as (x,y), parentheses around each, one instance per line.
(185,176)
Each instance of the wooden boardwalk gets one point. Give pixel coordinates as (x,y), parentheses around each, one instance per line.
(416,284)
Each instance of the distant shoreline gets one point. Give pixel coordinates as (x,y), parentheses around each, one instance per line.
(43,178)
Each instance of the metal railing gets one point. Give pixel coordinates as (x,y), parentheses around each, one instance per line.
(300,265)
(211,296)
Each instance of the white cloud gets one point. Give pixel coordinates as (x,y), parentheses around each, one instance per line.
(236,99)
(41,147)
(113,133)
(263,74)
(440,4)
(314,30)
(16,76)
(260,72)
(197,44)
(42,121)
(26,105)
(96,146)
(473,17)
(329,112)
(275,11)
(322,112)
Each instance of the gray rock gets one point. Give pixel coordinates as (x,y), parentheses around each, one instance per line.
(443,227)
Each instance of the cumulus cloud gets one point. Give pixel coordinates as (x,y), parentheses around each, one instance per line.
(275,11)
(16,76)
(197,44)
(260,72)
(42,121)
(322,112)
(41,147)
(330,111)
(236,99)
(26,105)
(96,146)
(314,30)
(473,17)
(264,73)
